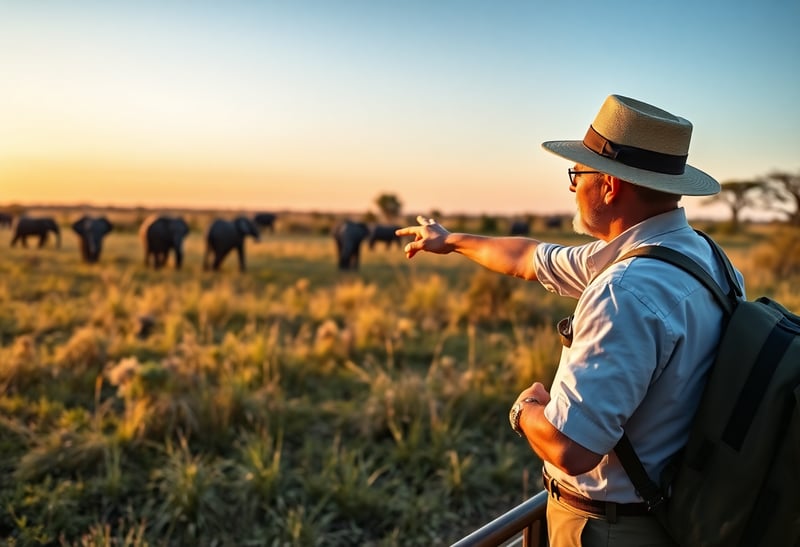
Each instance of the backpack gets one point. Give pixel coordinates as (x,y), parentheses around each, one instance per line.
(737,481)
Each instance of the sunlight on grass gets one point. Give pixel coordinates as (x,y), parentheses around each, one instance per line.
(292,404)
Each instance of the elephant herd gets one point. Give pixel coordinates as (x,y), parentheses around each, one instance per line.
(163,235)
(160,235)
(90,230)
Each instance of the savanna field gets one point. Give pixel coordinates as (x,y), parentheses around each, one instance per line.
(292,404)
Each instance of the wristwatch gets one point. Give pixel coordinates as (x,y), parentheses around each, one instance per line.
(516,413)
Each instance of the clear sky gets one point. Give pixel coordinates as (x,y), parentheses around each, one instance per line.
(325,105)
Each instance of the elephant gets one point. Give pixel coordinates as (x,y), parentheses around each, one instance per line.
(520,228)
(265,220)
(385,233)
(554,222)
(91,231)
(160,235)
(35,226)
(5,220)
(348,236)
(223,236)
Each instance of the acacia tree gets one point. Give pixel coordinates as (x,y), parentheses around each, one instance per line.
(783,194)
(737,195)
(389,205)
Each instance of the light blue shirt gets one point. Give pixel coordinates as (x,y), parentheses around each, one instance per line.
(645,335)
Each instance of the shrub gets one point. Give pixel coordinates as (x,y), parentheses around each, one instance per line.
(780,255)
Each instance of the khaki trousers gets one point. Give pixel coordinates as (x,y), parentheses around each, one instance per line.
(570,527)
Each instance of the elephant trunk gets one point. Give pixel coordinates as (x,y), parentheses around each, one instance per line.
(58,237)
(91,249)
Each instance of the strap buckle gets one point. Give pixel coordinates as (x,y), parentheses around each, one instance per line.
(655,502)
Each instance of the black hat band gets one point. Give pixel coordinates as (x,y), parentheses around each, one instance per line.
(632,156)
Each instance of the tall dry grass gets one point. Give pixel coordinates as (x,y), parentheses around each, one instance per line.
(290,405)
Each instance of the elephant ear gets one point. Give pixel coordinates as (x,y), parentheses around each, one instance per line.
(181,227)
(79,226)
(106,224)
(244,226)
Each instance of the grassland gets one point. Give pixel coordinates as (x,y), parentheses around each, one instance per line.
(292,404)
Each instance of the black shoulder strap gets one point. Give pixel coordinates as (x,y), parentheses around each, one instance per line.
(730,274)
(647,489)
(650,492)
(687,264)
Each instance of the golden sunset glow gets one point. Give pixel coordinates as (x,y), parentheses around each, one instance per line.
(315,105)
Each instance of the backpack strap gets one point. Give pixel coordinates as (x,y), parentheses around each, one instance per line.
(735,290)
(652,494)
(665,254)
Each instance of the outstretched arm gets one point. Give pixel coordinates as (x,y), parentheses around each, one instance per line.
(506,255)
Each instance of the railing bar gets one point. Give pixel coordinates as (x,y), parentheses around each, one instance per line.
(509,524)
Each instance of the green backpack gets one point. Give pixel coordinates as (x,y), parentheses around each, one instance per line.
(737,481)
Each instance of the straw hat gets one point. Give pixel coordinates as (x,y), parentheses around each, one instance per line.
(640,144)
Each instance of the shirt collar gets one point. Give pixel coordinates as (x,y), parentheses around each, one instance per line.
(636,236)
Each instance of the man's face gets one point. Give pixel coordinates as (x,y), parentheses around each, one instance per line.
(588,201)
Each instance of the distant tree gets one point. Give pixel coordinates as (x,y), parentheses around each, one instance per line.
(782,194)
(738,195)
(488,224)
(389,205)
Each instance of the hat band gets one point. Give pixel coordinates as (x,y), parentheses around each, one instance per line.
(632,156)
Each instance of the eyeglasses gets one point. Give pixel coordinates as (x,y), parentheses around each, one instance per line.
(573,174)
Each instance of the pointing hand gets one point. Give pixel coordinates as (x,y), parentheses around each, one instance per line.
(428,236)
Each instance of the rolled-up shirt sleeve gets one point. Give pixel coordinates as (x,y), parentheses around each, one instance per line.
(563,270)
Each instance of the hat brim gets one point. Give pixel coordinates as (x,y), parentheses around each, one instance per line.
(693,182)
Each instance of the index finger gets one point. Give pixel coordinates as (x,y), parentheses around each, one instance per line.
(407,231)
(414,230)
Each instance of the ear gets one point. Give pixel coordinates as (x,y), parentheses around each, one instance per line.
(611,188)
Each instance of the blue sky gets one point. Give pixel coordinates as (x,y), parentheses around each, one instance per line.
(327,104)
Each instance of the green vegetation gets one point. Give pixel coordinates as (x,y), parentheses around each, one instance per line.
(289,405)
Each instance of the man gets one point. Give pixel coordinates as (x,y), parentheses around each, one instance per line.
(643,334)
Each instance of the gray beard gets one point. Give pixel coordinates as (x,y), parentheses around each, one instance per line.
(578,225)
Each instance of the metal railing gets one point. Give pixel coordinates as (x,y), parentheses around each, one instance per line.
(528,519)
